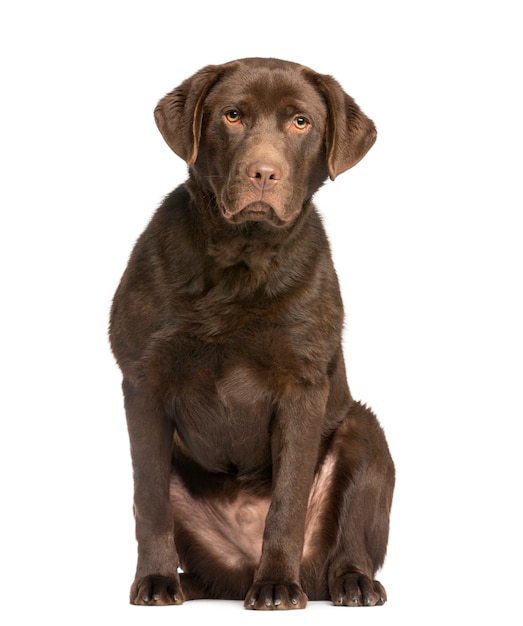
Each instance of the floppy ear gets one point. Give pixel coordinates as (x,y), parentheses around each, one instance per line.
(179,114)
(350,133)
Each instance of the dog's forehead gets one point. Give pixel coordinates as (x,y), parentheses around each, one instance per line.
(268,87)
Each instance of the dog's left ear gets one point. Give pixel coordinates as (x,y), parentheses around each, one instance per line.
(350,133)
(179,114)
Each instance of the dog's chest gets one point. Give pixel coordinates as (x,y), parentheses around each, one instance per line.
(229,363)
(223,398)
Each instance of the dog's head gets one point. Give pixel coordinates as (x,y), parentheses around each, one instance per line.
(263,135)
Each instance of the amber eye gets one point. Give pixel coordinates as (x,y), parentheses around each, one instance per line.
(301,122)
(232,116)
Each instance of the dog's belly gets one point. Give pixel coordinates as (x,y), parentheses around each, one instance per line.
(228,521)
(228,529)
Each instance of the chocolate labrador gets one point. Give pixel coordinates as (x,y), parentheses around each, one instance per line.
(256,475)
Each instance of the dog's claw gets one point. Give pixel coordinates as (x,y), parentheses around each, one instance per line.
(156,591)
(276,596)
(355,589)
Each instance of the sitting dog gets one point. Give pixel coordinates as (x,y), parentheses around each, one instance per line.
(255,472)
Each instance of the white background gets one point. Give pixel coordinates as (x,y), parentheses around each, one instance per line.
(427,237)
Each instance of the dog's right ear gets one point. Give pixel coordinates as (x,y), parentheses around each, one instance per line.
(179,114)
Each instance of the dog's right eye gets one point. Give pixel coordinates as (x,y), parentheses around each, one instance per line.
(232,116)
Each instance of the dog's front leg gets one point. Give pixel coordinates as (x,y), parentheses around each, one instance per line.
(157,581)
(295,442)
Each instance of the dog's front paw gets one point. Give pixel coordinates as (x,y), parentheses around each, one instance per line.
(155,590)
(283,595)
(355,589)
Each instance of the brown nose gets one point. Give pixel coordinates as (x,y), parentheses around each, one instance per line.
(263,175)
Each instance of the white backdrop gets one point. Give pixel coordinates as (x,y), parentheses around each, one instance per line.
(426,234)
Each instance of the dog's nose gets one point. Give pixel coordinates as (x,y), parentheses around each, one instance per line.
(263,175)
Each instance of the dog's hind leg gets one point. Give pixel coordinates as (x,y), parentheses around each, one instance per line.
(365,465)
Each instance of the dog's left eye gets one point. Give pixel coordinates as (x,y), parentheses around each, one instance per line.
(301,122)
(233,116)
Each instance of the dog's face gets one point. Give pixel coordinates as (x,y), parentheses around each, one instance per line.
(262,142)
(262,138)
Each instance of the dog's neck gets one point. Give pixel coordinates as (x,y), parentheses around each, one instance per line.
(255,255)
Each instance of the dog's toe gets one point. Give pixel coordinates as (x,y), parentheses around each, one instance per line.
(155,590)
(355,589)
(270,596)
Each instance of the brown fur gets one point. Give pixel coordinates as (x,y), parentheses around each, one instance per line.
(255,471)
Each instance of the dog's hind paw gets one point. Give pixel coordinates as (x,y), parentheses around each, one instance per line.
(156,590)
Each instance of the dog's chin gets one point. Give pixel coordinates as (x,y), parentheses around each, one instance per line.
(254,212)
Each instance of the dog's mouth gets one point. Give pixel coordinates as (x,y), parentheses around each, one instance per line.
(258,211)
